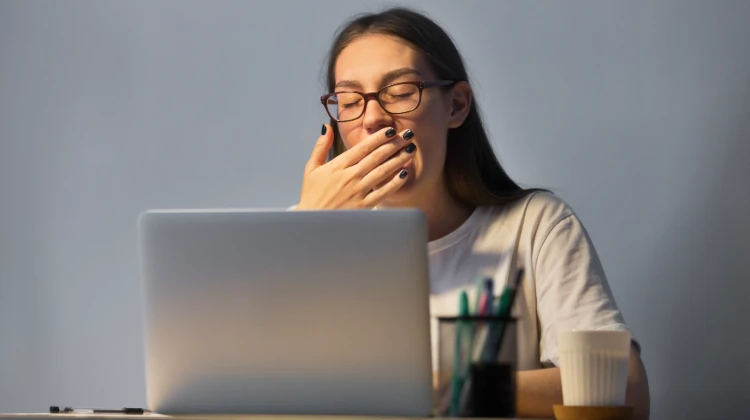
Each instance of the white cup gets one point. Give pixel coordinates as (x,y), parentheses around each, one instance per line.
(594,367)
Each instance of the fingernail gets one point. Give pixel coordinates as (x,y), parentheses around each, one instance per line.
(411,148)
(403,174)
(323,130)
(390,132)
(409,134)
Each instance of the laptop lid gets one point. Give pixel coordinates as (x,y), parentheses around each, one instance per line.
(286,312)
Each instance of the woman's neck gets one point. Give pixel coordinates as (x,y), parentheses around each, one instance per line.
(443,212)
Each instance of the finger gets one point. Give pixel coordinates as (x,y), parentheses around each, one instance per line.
(383,172)
(383,153)
(320,151)
(376,196)
(360,151)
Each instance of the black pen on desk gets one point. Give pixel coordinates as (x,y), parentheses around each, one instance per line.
(71,410)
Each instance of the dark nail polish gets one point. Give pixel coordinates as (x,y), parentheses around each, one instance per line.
(403,174)
(409,134)
(411,148)
(323,130)
(390,132)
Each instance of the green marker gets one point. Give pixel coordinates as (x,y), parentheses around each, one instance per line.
(504,306)
(457,379)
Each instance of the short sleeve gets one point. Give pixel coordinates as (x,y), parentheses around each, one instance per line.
(572,289)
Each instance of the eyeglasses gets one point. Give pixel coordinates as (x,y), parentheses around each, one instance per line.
(398,98)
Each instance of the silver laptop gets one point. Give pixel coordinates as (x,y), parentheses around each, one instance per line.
(286,312)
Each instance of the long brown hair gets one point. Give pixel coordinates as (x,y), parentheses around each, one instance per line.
(472,172)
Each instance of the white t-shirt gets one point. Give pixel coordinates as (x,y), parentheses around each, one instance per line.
(564,285)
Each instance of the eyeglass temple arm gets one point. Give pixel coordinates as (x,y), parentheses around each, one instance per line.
(439,83)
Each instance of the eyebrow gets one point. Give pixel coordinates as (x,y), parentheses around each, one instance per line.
(386,79)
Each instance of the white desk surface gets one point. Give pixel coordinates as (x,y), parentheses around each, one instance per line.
(46,416)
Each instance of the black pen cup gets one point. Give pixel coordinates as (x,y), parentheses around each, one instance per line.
(476,367)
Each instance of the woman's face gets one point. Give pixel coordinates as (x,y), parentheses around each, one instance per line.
(372,62)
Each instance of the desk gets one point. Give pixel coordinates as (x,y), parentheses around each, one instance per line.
(43,416)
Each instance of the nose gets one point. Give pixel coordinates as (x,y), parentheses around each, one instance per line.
(375,117)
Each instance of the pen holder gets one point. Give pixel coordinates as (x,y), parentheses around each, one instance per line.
(476,369)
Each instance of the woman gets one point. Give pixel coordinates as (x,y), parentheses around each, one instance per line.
(405,132)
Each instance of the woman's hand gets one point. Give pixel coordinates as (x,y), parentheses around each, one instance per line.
(361,177)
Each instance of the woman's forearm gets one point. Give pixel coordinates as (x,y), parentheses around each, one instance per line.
(538,390)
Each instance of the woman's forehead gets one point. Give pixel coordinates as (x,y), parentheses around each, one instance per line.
(367,60)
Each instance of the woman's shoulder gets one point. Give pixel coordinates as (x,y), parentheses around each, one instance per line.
(531,221)
(537,207)
(533,217)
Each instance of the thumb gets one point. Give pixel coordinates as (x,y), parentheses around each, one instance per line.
(320,151)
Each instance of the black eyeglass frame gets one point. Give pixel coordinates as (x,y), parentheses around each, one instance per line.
(421,85)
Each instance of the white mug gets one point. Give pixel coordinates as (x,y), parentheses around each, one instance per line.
(594,367)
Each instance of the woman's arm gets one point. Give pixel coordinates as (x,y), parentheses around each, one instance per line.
(538,390)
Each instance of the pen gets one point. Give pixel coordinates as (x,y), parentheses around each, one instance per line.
(506,299)
(477,338)
(481,296)
(71,410)
(480,305)
(457,379)
(488,293)
(503,309)
(482,329)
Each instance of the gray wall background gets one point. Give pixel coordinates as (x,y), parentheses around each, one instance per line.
(637,113)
